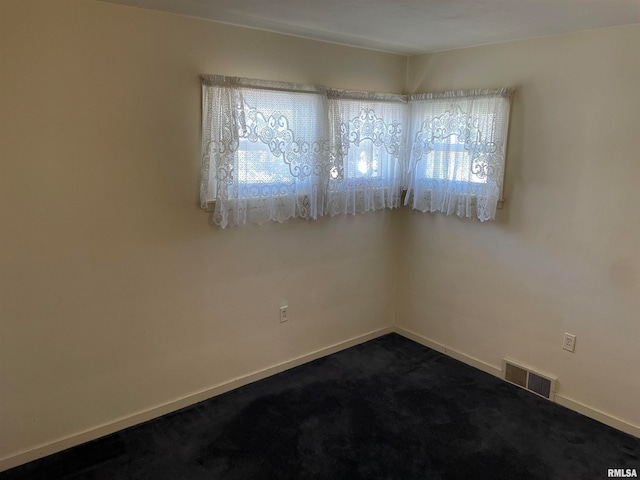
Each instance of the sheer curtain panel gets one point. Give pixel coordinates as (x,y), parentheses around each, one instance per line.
(458,142)
(265,150)
(368,145)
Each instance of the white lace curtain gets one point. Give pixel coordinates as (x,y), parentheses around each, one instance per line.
(274,150)
(368,144)
(458,152)
(265,150)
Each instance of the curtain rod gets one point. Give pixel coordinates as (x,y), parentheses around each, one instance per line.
(225,81)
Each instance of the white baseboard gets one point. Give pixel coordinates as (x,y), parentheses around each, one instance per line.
(560,399)
(56,446)
(598,415)
(469,360)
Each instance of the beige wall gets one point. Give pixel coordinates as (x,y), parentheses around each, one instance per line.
(564,254)
(116,294)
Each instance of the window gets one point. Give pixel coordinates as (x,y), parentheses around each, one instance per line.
(265,148)
(458,152)
(369,142)
(274,151)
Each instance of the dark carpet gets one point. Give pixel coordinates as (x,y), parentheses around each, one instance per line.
(386,409)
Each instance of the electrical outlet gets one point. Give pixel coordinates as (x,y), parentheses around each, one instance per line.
(284,313)
(569,342)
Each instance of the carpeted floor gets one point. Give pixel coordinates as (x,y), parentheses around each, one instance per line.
(387,409)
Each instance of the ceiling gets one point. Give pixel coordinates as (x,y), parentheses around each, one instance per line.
(408,26)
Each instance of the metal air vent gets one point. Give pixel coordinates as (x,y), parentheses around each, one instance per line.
(525,377)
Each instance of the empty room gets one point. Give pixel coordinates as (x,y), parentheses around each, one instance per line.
(384,239)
